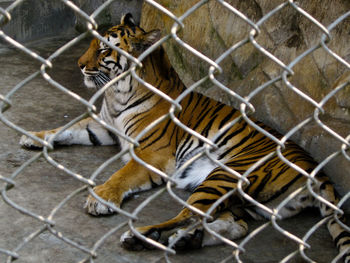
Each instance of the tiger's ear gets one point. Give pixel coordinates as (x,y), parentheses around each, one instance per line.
(151,37)
(146,40)
(127,20)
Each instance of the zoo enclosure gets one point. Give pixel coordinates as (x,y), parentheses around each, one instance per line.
(214,68)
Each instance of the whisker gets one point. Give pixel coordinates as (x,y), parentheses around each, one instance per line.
(100,82)
(104,77)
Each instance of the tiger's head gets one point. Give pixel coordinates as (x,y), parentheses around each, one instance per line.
(100,63)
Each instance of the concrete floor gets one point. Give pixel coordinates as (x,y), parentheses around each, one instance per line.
(41,187)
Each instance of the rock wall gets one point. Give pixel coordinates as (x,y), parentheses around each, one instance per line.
(212,29)
(109,16)
(33,19)
(36,19)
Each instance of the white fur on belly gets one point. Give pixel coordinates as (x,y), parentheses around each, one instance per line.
(195,174)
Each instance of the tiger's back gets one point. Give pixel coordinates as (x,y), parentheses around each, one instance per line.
(239,146)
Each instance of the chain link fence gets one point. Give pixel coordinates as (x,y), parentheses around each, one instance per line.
(48,222)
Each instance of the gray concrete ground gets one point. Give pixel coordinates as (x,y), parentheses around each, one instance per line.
(41,187)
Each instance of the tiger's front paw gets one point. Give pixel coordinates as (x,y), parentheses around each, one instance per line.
(28,142)
(95,207)
(131,242)
(187,239)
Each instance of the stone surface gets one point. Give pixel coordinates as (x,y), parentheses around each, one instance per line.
(110,15)
(33,19)
(287,34)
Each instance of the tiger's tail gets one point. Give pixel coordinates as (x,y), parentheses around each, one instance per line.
(336,226)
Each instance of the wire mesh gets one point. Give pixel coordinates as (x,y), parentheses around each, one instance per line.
(48,223)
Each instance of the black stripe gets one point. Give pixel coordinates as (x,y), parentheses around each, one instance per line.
(199,98)
(117,62)
(240,143)
(221,136)
(227,118)
(93,138)
(284,188)
(207,128)
(231,135)
(175,129)
(109,62)
(324,184)
(226,188)
(205,102)
(200,118)
(261,185)
(189,136)
(252,180)
(204,201)
(104,66)
(186,149)
(136,103)
(149,136)
(184,108)
(222,177)
(152,64)
(108,53)
(281,172)
(208,190)
(190,99)
(160,136)
(257,145)
(343,234)
(184,174)
(346,242)
(218,108)
(245,162)
(133,117)
(113,136)
(134,123)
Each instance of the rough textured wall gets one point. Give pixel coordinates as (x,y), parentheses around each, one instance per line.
(111,15)
(212,29)
(35,19)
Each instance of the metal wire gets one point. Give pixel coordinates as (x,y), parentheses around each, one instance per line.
(48,223)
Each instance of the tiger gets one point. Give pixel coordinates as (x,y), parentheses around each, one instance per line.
(129,107)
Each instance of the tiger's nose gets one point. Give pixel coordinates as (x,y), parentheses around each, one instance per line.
(92,69)
(81,65)
(86,68)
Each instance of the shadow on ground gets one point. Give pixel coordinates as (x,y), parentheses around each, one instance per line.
(40,187)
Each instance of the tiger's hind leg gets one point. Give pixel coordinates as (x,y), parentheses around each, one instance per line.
(227,225)
(217,184)
(341,236)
